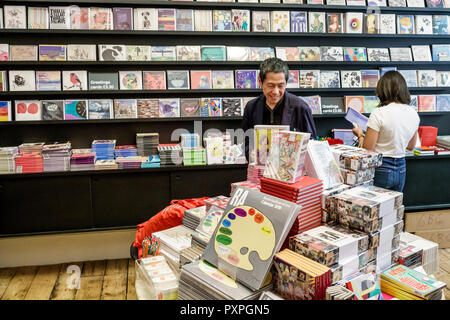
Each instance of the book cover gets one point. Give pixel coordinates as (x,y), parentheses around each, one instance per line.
(331,54)
(351,79)
(75,109)
(203,20)
(166,19)
(111,52)
(405,24)
(334,22)
(138,53)
(148,108)
(288,53)
(441,52)
(59,17)
(309,78)
(15,17)
(100,18)
(103,81)
(376,3)
(330,79)
(122,18)
(48,80)
(178,80)
(28,110)
(443,78)
(23,53)
(261,21)
(169,108)
(317,22)
(426,78)
(154,80)
(400,54)
(372,23)
(189,107)
(210,107)
(3,81)
(240,20)
(383,70)
(5,111)
(426,103)
(355,102)
(440,24)
(378,54)
(421,52)
(414,103)
(245,79)
(222,79)
(397,3)
(261,54)
(222,20)
(387,24)
(164,53)
(52,109)
(4,52)
(262,138)
(130,80)
(332,105)
(200,79)
(356,2)
(309,53)
(184,20)
(100,109)
(213,53)
(280,21)
(416,3)
(293,80)
(424,24)
(37,18)
(81,52)
(332,2)
(355,54)
(435,3)
(238,53)
(314,103)
(370,103)
(232,107)
(410,77)
(74,80)
(299,21)
(52,52)
(146,19)
(353,22)
(22,80)
(79,18)
(443,102)
(369,78)
(125,108)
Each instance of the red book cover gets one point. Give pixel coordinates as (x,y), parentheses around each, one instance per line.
(303,184)
(428,135)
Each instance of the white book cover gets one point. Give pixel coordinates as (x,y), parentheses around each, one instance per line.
(59,17)
(330,79)
(81,52)
(111,52)
(203,20)
(4,52)
(387,24)
(280,21)
(400,54)
(376,3)
(416,3)
(378,54)
(138,53)
(22,80)
(28,110)
(421,53)
(146,19)
(353,22)
(130,80)
(443,78)
(351,79)
(74,80)
(188,53)
(214,150)
(79,18)
(426,78)
(356,2)
(335,2)
(238,53)
(15,17)
(424,24)
(261,21)
(37,18)
(317,22)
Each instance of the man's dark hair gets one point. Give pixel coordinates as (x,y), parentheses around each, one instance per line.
(273,65)
(392,88)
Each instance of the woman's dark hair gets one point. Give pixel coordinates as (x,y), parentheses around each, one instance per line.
(273,65)
(392,88)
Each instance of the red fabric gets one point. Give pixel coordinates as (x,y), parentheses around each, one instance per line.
(169,217)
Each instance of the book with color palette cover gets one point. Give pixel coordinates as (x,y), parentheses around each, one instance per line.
(5,111)
(184,20)
(148,108)
(253,225)
(27,110)
(210,107)
(74,80)
(75,109)
(100,109)
(122,18)
(154,80)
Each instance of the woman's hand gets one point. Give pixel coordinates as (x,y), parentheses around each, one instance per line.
(357,131)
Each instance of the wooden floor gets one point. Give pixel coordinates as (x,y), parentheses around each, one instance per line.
(103,280)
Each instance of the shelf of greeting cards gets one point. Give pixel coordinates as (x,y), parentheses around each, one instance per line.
(240,34)
(341,115)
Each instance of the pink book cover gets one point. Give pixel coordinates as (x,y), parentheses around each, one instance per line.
(154,80)
(200,79)
(426,103)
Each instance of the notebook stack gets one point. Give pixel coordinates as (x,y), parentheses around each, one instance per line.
(147,143)
(105,165)
(410,255)
(194,156)
(170,154)
(430,253)
(29,162)
(190,140)
(172,241)
(245,184)
(206,227)
(255,172)
(57,156)
(219,201)
(192,217)
(31,147)
(191,254)
(311,285)
(443,141)
(130,162)
(424,151)
(82,160)
(151,162)
(7,155)
(125,151)
(104,149)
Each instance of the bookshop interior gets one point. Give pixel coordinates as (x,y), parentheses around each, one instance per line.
(225,150)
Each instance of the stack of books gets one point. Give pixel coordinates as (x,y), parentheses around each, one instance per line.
(170,154)
(104,149)
(105,165)
(190,254)
(194,156)
(7,155)
(410,255)
(31,147)
(255,172)
(192,217)
(325,200)
(190,140)
(130,162)
(125,151)
(29,162)
(147,143)
(206,227)
(244,184)
(430,253)
(220,202)
(82,160)
(57,156)
(424,151)
(443,141)
(151,162)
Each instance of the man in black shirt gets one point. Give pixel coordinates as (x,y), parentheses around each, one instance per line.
(276,106)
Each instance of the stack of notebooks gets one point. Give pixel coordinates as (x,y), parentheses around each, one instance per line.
(7,155)
(424,151)
(29,162)
(255,172)
(170,154)
(443,141)
(104,149)
(125,151)
(31,147)
(192,217)
(410,255)
(245,184)
(57,156)
(190,140)
(105,165)
(147,143)
(130,162)
(194,156)
(299,278)
(191,254)
(151,162)
(82,159)
(430,253)
(405,283)
(206,227)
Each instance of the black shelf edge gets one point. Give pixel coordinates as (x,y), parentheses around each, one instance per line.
(426,207)
(447,156)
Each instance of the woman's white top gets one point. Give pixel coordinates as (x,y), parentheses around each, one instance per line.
(396,125)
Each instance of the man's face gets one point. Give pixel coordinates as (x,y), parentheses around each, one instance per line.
(273,87)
